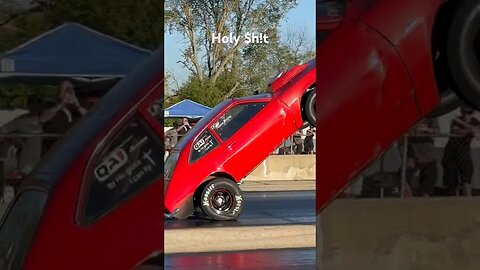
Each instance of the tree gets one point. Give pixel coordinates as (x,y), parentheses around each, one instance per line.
(138,22)
(219,71)
(198,20)
(263,63)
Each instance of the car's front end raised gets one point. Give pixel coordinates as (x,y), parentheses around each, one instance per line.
(178,204)
(182,175)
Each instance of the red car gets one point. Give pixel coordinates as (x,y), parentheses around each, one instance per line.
(383,66)
(205,167)
(95,200)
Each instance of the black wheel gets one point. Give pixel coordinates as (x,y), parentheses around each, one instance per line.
(310,108)
(222,199)
(463,51)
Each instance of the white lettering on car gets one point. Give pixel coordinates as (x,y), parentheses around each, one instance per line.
(111,164)
(138,144)
(148,156)
(207,194)
(199,144)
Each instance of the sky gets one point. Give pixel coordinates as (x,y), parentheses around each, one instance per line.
(302,16)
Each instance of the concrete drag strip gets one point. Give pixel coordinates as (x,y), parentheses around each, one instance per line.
(285,195)
(239,238)
(278,185)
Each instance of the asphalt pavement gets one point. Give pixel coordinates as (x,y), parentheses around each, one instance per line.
(262,208)
(275,231)
(284,259)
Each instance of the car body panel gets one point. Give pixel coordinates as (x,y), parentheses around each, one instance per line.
(291,93)
(373,94)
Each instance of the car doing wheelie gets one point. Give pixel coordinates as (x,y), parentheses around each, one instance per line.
(383,66)
(205,167)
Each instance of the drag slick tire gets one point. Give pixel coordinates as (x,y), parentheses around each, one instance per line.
(221,199)
(463,51)
(310,108)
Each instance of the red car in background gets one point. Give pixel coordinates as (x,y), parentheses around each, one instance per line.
(382,66)
(205,167)
(95,200)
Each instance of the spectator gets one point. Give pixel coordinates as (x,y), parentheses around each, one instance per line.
(183,128)
(64,114)
(171,137)
(423,148)
(31,148)
(308,142)
(297,142)
(286,147)
(457,159)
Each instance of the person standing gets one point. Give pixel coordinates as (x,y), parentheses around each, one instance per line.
(308,142)
(58,118)
(183,128)
(171,138)
(297,142)
(31,147)
(423,148)
(457,159)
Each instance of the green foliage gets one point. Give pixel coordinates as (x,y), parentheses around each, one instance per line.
(138,22)
(16,96)
(220,71)
(168,122)
(208,92)
(198,20)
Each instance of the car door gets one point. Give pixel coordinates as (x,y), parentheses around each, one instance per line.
(251,131)
(95,201)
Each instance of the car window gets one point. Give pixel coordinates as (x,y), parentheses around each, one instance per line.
(203,144)
(132,160)
(235,118)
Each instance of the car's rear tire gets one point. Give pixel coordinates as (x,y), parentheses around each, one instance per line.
(463,51)
(222,199)
(310,108)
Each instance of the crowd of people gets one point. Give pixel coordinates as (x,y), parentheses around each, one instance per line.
(429,170)
(300,143)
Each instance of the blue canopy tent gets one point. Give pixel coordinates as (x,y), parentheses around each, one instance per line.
(187,108)
(71,51)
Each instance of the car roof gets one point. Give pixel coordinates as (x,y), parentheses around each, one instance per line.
(255,97)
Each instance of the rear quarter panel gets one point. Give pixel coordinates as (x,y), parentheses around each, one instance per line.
(366,101)
(292,92)
(408,26)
